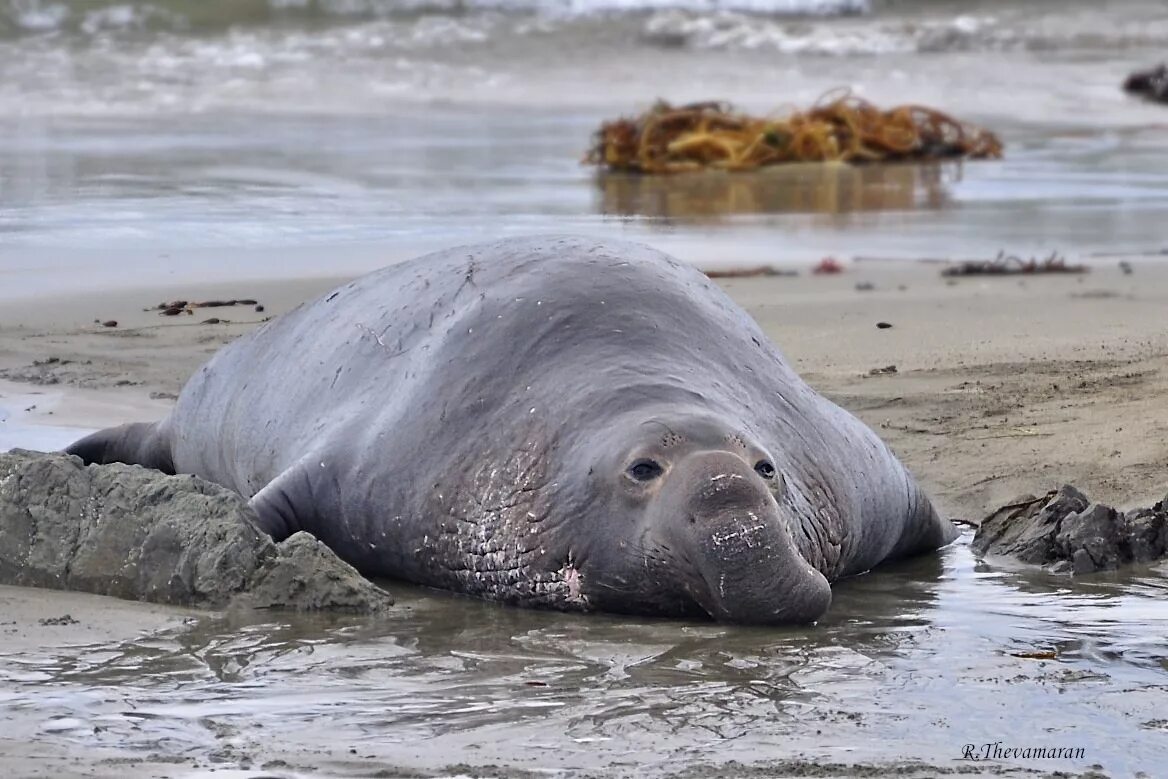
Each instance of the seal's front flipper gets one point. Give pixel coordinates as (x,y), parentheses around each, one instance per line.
(285,506)
(138,443)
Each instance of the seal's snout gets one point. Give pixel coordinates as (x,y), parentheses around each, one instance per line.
(715,482)
(729,526)
(728,486)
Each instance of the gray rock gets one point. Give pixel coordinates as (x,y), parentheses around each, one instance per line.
(134,533)
(1066,532)
(309,575)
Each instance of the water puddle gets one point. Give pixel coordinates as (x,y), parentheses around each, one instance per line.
(21,427)
(48,418)
(911,664)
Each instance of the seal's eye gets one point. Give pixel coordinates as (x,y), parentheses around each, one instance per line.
(645,470)
(764,469)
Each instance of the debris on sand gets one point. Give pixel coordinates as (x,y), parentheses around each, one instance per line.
(887,370)
(176,307)
(1040,654)
(1068,533)
(745,273)
(828,266)
(1011,264)
(840,127)
(136,533)
(1151,84)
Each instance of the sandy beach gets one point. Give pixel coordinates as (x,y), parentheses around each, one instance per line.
(1003,385)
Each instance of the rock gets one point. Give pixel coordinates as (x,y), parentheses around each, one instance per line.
(1151,84)
(308,576)
(135,533)
(1066,532)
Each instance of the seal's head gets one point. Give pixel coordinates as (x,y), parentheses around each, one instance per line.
(691,520)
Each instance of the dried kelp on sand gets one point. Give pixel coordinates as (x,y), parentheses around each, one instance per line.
(838,128)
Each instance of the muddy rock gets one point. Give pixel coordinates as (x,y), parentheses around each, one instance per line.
(1151,84)
(309,575)
(1066,532)
(134,533)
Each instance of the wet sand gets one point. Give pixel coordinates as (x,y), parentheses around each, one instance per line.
(1002,386)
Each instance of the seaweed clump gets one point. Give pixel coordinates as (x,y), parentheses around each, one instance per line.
(1010,264)
(838,128)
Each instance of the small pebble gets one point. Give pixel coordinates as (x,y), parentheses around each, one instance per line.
(883,325)
(110,323)
(259,308)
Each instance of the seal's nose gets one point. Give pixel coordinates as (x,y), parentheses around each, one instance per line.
(720,480)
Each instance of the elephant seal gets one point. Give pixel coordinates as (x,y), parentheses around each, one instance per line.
(554,422)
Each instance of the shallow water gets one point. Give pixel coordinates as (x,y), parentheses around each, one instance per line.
(151,201)
(47,418)
(276,138)
(911,664)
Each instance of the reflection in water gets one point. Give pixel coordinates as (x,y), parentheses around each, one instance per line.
(912,662)
(814,188)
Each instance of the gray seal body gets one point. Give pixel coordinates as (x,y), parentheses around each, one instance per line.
(554,422)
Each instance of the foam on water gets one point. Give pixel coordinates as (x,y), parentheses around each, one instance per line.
(167,56)
(24,17)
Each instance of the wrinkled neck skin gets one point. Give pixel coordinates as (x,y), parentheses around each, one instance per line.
(711,527)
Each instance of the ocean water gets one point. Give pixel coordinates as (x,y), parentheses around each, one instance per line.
(142,142)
